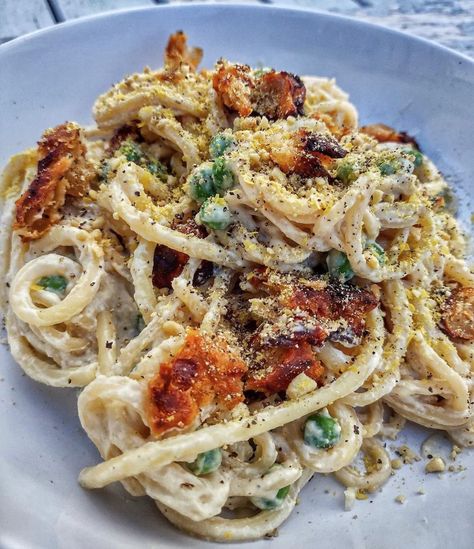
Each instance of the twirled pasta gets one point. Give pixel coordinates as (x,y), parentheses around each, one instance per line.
(251,289)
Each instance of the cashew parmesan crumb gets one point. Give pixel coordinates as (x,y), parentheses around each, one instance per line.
(457,469)
(400,499)
(456,450)
(435,465)
(396,463)
(349,498)
(300,385)
(407,454)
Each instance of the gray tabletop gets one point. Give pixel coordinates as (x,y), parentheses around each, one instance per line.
(449,22)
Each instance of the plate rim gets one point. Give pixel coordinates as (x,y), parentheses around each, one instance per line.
(206,6)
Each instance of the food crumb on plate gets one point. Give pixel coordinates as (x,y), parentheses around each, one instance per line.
(435,465)
(396,463)
(407,454)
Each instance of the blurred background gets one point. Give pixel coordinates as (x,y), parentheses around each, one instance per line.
(448,22)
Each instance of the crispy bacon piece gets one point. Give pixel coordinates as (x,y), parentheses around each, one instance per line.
(233,84)
(307,154)
(62,170)
(384,134)
(279,95)
(284,364)
(458,314)
(169,263)
(275,94)
(177,53)
(205,371)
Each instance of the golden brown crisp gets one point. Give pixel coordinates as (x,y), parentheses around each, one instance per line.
(321,299)
(282,365)
(307,154)
(312,311)
(169,263)
(233,85)
(383,133)
(62,170)
(458,314)
(177,53)
(276,95)
(204,371)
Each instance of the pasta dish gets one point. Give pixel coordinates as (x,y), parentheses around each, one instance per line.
(249,287)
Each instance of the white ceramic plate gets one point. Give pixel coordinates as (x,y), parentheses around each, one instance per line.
(56,74)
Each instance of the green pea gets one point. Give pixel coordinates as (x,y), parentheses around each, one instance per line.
(271,502)
(157,169)
(377,250)
(345,173)
(339,265)
(387,169)
(418,157)
(201,184)
(134,153)
(222,175)
(215,214)
(131,151)
(219,144)
(321,431)
(53,283)
(206,463)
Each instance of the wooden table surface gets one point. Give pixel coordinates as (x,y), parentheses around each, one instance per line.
(449,22)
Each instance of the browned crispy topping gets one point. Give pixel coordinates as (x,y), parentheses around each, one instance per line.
(307,154)
(325,301)
(284,364)
(177,53)
(275,95)
(62,170)
(383,134)
(278,95)
(336,301)
(300,314)
(458,314)
(204,371)
(289,330)
(234,85)
(169,263)
(317,143)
